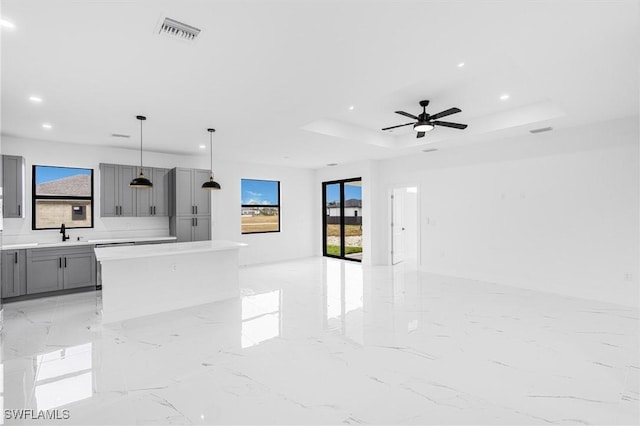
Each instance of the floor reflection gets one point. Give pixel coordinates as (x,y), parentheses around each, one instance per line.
(344,298)
(260,317)
(64,376)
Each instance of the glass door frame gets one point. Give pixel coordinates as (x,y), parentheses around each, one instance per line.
(341,182)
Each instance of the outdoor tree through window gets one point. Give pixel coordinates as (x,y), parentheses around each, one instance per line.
(260,211)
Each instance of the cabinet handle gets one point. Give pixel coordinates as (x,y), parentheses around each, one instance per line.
(150,210)
(196,213)
(19,210)
(154,210)
(15,257)
(65,262)
(59,262)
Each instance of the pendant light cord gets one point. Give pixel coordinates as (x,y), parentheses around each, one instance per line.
(140,146)
(211,146)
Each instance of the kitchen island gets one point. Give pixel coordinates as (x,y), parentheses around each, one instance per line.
(145,280)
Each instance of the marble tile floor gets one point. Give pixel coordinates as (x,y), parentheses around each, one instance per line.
(324,341)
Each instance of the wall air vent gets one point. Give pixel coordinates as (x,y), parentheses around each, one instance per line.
(175,29)
(119,135)
(430,150)
(540,130)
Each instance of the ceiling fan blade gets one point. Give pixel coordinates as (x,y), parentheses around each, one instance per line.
(406,114)
(444,113)
(447,124)
(420,135)
(399,125)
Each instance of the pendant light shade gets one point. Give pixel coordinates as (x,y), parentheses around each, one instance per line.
(141,181)
(211,184)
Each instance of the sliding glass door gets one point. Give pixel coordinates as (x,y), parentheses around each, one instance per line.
(342,219)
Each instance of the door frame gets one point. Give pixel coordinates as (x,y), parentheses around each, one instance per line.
(418,221)
(341,182)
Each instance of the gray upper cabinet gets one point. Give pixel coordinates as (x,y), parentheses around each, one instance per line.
(154,201)
(201,197)
(116,197)
(13,186)
(189,205)
(187,196)
(14,273)
(60,268)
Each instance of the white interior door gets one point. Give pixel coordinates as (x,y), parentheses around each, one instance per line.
(397,226)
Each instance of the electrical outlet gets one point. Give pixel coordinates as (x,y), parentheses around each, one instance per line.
(173,267)
(628,276)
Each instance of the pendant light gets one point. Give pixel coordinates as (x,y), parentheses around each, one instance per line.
(211,184)
(141,181)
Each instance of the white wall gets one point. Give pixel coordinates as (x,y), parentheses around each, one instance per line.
(556,212)
(296,238)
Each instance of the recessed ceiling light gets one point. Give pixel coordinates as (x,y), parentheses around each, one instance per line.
(461,64)
(35,99)
(47,126)
(351,108)
(203,146)
(6,24)
(504,97)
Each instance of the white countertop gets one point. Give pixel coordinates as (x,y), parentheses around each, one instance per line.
(154,250)
(84,243)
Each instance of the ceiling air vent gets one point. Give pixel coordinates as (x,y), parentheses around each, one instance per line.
(119,135)
(430,150)
(542,129)
(175,29)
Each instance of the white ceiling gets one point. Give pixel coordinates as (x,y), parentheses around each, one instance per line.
(277,78)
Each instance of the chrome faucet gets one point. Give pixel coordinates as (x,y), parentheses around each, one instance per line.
(63,232)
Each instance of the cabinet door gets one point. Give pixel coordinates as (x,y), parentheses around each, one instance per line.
(160,192)
(79,270)
(13,186)
(144,201)
(184,228)
(202,228)
(126,194)
(10,274)
(182,192)
(108,190)
(201,197)
(44,273)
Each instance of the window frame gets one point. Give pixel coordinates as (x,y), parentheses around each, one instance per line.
(278,206)
(35,197)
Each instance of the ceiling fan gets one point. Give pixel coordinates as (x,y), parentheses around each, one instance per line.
(426,122)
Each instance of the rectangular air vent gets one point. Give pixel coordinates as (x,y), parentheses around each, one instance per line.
(542,129)
(430,150)
(119,135)
(173,28)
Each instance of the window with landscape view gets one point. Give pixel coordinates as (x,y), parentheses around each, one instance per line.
(260,211)
(62,195)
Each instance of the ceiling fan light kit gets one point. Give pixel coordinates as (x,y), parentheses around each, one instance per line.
(426,122)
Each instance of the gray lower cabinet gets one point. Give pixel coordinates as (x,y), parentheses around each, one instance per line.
(14,273)
(191,228)
(60,268)
(13,186)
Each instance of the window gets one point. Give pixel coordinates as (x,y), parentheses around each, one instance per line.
(260,211)
(62,195)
